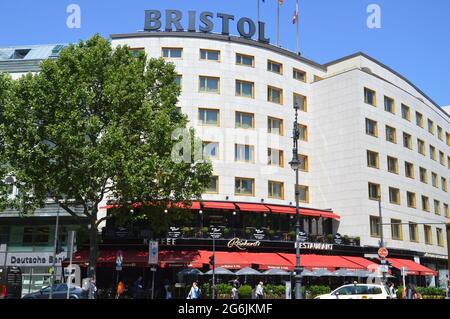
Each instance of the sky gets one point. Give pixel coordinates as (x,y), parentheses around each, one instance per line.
(414,38)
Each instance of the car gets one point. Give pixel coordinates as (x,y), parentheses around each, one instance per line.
(59,292)
(359,291)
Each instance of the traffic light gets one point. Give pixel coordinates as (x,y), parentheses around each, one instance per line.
(59,248)
(211,260)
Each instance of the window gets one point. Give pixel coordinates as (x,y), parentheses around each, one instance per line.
(413,232)
(428,235)
(303,162)
(20,54)
(303,193)
(423,175)
(275,67)
(274,95)
(440,133)
(391,135)
(276,190)
(411,199)
(389,105)
(441,158)
(374,191)
(178,80)
(421,146)
(371,128)
(211,55)
(430,126)
(209,117)
(375,227)
(299,75)
(303,129)
(444,184)
(245,120)
(396,229)
(245,60)
(173,53)
(394,195)
(244,153)
(275,157)
(209,84)
(434,180)
(447,138)
(36,235)
(373,159)
(409,170)
(446,211)
(275,126)
(440,237)
(437,207)
(392,164)
(136,52)
(432,152)
(406,115)
(370,97)
(448,162)
(213,186)
(211,150)
(244,186)
(407,140)
(419,119)
(425,203)
(245,89)
(300,101)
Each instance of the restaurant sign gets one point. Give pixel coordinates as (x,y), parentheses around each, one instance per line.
(243,244)
(315,246)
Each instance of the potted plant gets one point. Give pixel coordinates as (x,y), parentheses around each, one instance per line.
(248,232)
(186,232)
(330,238)
(292,235)
(205,230)
(358,241)
(271,233)
(226,231)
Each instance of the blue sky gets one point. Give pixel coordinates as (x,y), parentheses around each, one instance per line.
(414,38)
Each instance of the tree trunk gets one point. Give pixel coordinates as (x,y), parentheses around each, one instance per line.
(93,249)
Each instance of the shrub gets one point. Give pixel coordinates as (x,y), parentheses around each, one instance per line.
(275,291)
(223,290)
(245,292)
(315,291)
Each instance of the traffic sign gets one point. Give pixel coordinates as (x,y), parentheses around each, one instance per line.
(404,271)
(383,252)
(153,253)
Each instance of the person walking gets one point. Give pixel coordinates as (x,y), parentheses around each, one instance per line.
(167,290)
(137,288)
(194,293)
(235,290)
(260,291)
(93,290)
(392,290)
(120,289)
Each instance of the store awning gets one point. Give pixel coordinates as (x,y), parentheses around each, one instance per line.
(303,211)
(228,260)
(131,258)
(219,205)
(191,259)
(363,262)
(252,207)
(267,261)
(413,267)
(281,209)
(331,263)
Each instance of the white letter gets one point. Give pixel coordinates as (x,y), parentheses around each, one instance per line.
(74,19)
(374,19)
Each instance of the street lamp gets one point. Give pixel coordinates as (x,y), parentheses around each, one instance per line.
(295,165)
(382,244)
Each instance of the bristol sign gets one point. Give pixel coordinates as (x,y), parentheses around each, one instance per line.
(174,21)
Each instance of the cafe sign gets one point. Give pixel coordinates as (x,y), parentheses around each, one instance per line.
(315,246)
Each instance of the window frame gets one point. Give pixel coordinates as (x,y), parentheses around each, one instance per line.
(428,233)
(395,134)
(207,51)
(271,88)
(305,101)
(270,120)
(377,159)
(272,62)
(306,188)
(205,143)
(251,152)
(295,70)
(207,191)
(374,223)
(397,199)
(374,94)
(415,231)
(412,176)
(378,191)
(425,200)
(408,112)
(407,138)
(170,50)
(395,164)
(396,223)
(370,121)
(207,77)
(419,120)
(414,200)
(201,123)
(386,99)
(241,82)
(270,189)
(280,157)
(247,56)
(240,120)
(241,179)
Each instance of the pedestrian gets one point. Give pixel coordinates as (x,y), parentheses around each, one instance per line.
(167,290)
(392,290)
(137,288)
(409,291)
(194,293)
(260,291)
(235,290)
(92,289)
(120,289)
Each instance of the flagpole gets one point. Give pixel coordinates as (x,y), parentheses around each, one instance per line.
(257,1)
(296,21)
(278,24)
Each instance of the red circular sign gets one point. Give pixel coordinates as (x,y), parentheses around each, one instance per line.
(383,252)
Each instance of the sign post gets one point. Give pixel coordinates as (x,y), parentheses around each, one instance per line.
(71,235)
(153,260)
(119,263)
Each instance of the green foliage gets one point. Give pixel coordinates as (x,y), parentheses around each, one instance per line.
(314,291)
(275,291)
(426,292)
(245,292)
(223,290)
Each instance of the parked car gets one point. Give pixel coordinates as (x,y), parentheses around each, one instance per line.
(359,291)
(59,292)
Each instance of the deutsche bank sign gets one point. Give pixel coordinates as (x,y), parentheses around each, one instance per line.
(174,22)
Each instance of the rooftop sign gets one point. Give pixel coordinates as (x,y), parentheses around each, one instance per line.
(174,21)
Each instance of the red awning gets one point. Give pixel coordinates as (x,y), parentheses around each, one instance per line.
(228,260)
(252,207)
(194,206)
(131,258)
(319,261)
(281,209)
(365,263)
(191,259)
(219,205)
(267,261)
(413,267)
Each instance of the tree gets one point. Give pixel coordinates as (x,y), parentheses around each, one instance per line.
(95,122)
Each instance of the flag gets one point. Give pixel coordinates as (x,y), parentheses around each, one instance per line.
(295,17)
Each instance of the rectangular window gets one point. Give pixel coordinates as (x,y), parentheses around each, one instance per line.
(244,186)
(446,211)
(299,75)
(374,191)
(303,130)
(432,152)
(406,113)
(209,117)
(434,180)
(370,97)
(213,186)
(448,162)
(136,52)
(274,95)
(375,227)
(428,235)
(373,159)
(244,153)
(389,105)
(421,146)
(275,126)
(303,193)
(303,162)
(245,60)
(440,133)
(173,53)
(36,235)
(210,84)
(371,128)
(430,126)
(245,120)
(440,237)
(437,207)
(441,158)
(275,157)
(178,80)
(425,203)
(444,184)
(419,119)
(276,190)
(300,102)
(413,232)
(407,140)
(211,150)
(245,89)
(275,67)
(447,138)
(210,55)
(392,164)
(411,199)
(409,170)
(394,195)
(423,175)
(391,134)
(396,229)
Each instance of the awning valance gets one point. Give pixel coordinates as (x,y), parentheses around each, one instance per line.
(412,267)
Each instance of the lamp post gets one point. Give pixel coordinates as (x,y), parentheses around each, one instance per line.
(295,165)
(55,248)
(383,259)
